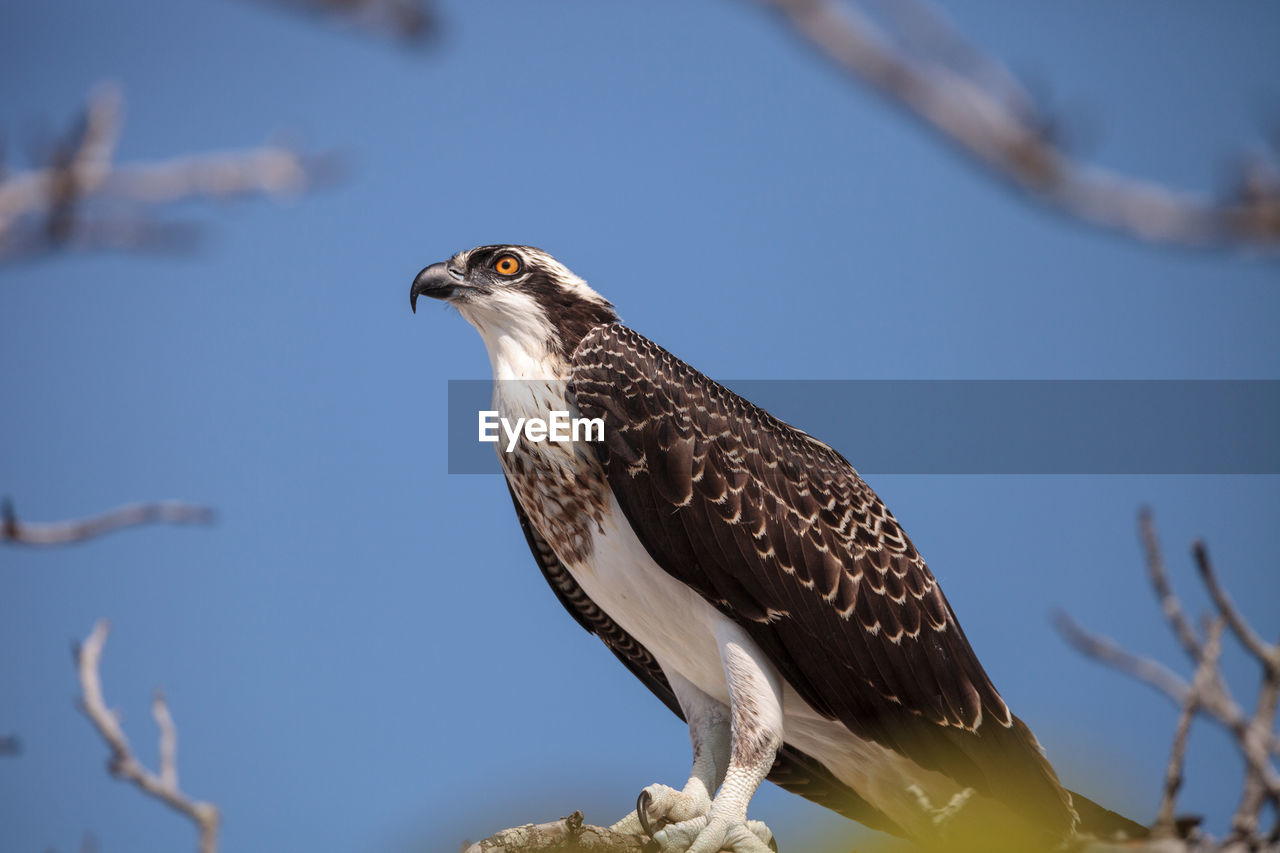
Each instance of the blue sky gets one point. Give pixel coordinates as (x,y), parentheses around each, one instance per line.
(361,654)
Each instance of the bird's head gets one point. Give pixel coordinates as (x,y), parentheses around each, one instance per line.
(518,298)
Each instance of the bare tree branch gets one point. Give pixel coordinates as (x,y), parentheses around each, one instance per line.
(1244,823)
(123,764)
(1169,604)
(1215,703)
(1106,651)
(559,836)
(1212,701)
(168,740)
(1208,695)
(1201,684)
(1269,656)
(83,199)
(81,530)
(88,150)
(978,107)
(1167,823)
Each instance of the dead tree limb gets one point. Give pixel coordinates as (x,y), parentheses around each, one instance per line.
(81,198)
(1169,603)
(566,835)
(925,67)
(1207,696)
(1166,820)
(81,530)
(122,764)
(1244,823)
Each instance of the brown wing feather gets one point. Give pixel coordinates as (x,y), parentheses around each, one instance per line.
(780,533)
(793,770)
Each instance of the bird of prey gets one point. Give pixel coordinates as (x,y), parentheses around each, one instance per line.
(745,573)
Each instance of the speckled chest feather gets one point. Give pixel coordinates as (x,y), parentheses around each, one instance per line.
(560,485)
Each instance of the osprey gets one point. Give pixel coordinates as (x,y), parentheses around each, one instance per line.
(745,573)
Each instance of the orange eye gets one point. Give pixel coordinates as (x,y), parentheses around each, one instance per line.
(507,265)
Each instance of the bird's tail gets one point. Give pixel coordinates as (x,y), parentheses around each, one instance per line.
(1102,822)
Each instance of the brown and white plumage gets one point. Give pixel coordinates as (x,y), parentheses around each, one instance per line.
(778,532)
(731,561)
(792,770)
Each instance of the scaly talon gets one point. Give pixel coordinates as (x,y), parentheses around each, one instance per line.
(660,805)
(711,835)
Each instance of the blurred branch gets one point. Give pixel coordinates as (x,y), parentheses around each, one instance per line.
(123,764)
(1268,655)
(561,836)
(411,22)
(1206,696)
(80,530)
(1244,823)
(1105,651)
(10,745)
(1169,604)
(82,199)
(924,66)
(1201,684)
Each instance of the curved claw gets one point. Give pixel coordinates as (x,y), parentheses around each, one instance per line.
(642,811)
(659,806)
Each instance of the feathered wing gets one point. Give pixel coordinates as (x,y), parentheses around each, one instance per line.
(793,770)
(778,532)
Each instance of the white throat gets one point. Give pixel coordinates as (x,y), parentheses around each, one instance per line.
(529,376)
(517,335)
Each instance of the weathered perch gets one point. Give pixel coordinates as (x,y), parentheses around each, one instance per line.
(566,835)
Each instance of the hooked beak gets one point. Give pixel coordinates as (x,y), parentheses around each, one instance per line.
(436,281)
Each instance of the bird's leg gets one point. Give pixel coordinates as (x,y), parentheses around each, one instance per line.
(755,700)
(660,805)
